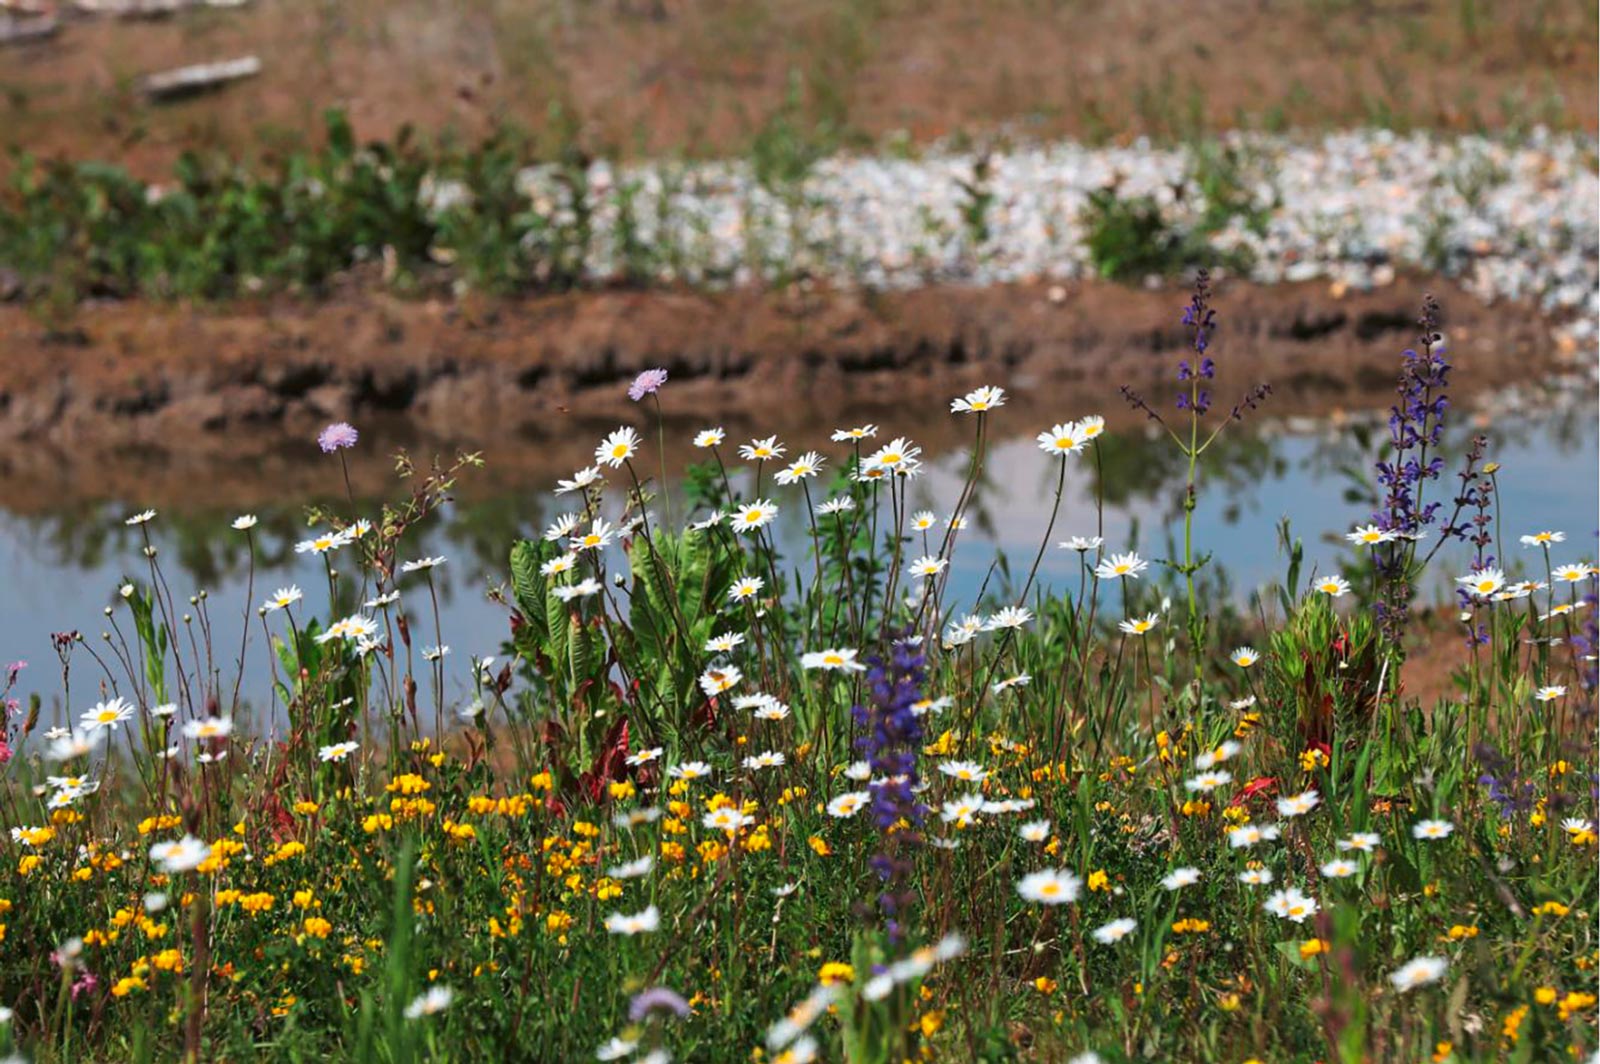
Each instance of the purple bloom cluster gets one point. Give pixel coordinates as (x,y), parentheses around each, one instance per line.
(1477,491)
(893,736)
(1506,788)
(1416,428)
(1201,320)
(339,436)
(1416,424)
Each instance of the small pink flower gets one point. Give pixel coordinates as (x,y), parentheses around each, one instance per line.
(337,437)
(647,383)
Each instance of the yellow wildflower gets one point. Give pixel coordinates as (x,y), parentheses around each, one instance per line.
(835,972)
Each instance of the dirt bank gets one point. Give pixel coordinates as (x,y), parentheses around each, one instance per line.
(173,389)
(713,77)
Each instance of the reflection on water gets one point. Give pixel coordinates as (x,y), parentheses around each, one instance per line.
(63,566)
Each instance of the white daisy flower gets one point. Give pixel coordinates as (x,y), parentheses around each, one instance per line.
(848,805)
(1291,905)
(1115,931)
(1050,887)
(617,448)
(1419,971)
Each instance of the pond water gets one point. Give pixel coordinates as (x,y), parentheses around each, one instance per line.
(64,563)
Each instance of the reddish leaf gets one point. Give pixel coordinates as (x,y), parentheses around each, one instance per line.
(609,763)
(706,714)
(1256,787)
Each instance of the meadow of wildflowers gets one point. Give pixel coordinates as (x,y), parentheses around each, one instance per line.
(714,801)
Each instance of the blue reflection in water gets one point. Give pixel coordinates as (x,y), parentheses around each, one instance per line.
(63,569)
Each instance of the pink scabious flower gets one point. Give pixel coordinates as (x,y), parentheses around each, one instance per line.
(662,998)
(337,437)
(647,383)
(5,750)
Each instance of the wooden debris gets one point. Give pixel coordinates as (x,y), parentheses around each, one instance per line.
(201,77)
(146,9)
(14,30)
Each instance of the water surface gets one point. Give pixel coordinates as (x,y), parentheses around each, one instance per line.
(64,563)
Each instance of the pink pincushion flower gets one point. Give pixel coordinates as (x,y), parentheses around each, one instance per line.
(647,383)
(337,437)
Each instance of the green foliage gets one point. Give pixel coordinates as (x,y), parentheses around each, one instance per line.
(1226,179)
(977,200)
(679,585)
(790,142)
(1129,239)
(562,646)
(219,230)
(1325,671)
(152,636)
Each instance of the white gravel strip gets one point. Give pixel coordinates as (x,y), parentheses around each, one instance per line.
(1510,219)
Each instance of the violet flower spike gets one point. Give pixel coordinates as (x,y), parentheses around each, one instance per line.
(892,740)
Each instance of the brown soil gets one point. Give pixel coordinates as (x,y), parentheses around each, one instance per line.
(167,390)
(704,76)
(1437,650)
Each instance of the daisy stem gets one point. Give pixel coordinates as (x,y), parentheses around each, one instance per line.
(947,548)
(1061,482)
(1111,702)
(845,594)
(727,488)
(1087,639)
(816,551)
(974,717)
(438,661)
(896,508)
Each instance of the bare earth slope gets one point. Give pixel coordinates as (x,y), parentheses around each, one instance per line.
(659,77)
